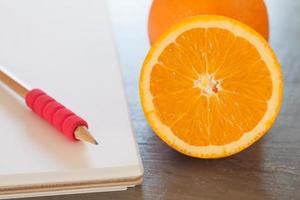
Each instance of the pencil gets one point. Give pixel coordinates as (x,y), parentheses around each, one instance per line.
(50,110)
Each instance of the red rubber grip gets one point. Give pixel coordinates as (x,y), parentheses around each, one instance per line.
(53,112)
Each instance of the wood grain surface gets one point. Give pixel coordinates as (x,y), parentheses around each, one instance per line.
(270,169)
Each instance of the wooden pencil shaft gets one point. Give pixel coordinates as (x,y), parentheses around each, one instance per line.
(13,84)
(81,133)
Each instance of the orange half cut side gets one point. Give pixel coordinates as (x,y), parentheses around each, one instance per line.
(210,87)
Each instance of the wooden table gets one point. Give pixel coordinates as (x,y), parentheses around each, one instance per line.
(270,169)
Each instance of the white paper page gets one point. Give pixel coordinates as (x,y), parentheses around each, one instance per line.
(64,47)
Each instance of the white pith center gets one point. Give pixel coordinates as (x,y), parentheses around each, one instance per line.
(207,84)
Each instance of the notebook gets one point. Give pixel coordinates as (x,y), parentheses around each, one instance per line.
(67,49)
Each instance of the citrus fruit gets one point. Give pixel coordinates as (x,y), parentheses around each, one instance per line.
(165,13)
(210,86)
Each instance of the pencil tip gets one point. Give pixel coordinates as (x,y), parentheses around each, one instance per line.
(82,133)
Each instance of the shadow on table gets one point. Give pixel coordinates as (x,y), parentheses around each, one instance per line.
(238,176)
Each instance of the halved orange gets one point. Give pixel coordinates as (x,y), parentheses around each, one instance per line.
(210,86)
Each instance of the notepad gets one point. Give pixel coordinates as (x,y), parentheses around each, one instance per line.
(67,49)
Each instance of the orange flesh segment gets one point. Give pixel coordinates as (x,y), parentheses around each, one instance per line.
(210,87)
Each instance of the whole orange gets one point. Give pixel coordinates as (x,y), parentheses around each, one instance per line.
(164,13)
